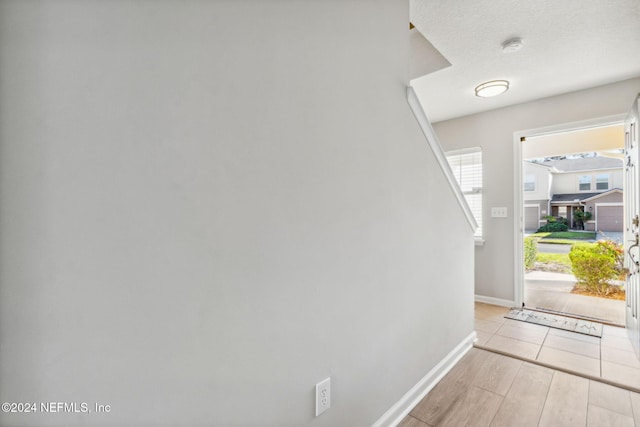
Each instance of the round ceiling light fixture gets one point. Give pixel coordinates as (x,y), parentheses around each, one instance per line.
(492,88)
(512,45)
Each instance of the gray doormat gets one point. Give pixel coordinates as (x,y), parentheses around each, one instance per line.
(556,321)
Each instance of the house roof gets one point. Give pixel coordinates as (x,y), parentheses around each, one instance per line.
(581,197)
(613,190)
(536,164)
(584,163)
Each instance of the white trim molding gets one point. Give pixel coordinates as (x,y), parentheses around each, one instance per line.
(518,224)
(402,407)
(518,208)
(434,143)
(496,301)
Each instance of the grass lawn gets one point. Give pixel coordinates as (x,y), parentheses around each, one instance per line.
(562,259)
(566,237)
(576,235)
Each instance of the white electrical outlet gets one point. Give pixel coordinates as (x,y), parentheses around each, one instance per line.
(323,396)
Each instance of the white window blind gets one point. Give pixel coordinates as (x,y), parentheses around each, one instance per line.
(602,181)
(530,183)
(585,182)
(467,168)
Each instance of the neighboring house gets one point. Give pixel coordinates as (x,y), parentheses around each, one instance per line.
(537,194)
(561,187)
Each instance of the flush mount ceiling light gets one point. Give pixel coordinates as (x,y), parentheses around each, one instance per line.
(492,88)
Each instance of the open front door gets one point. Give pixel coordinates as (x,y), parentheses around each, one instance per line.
(631,224)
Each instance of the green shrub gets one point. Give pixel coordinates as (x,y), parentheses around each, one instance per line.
(530,252)
(618,253)
(553,226)
(595,265)
(581,216)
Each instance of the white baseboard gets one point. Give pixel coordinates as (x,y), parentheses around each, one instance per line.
(402,407)
(496,301)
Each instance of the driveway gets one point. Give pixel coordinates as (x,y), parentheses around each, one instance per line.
(616,236)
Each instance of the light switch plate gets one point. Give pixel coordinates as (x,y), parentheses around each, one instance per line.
(500,212)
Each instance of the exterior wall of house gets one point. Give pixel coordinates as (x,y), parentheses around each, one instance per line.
(494,132)
(537,208)
(543,206)
(615,197)
(208,207)
(542,179)
(568,182)
(536,199)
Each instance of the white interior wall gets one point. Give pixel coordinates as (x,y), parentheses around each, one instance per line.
(494,132)
(208,207)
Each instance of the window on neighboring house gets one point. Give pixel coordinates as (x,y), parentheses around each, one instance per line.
(467,168)
(585,182)
(530,183)
(602,181)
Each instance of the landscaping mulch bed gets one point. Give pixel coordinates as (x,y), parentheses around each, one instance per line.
(552,267)
(615,293)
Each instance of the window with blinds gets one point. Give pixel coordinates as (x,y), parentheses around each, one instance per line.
(530,183)
(467,168)
(602,181)
(584,182)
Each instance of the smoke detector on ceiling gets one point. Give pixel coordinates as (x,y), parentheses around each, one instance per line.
(512,45)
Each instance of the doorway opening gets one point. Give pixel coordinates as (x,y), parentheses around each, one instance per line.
(570,193)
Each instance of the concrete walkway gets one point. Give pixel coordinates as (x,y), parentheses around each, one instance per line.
(552,291)
(554,248)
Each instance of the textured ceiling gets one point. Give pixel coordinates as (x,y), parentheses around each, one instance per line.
(568,45)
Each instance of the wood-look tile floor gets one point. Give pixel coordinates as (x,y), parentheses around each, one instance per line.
(610,358)
(490,389)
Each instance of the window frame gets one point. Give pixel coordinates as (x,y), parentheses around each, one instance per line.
(563,210)
(580,183)
(476,188)
(608,181)
(531,181)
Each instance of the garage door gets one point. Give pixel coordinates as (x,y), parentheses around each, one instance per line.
(531,218)
(609,218)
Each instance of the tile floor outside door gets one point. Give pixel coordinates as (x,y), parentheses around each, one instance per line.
(610,358)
